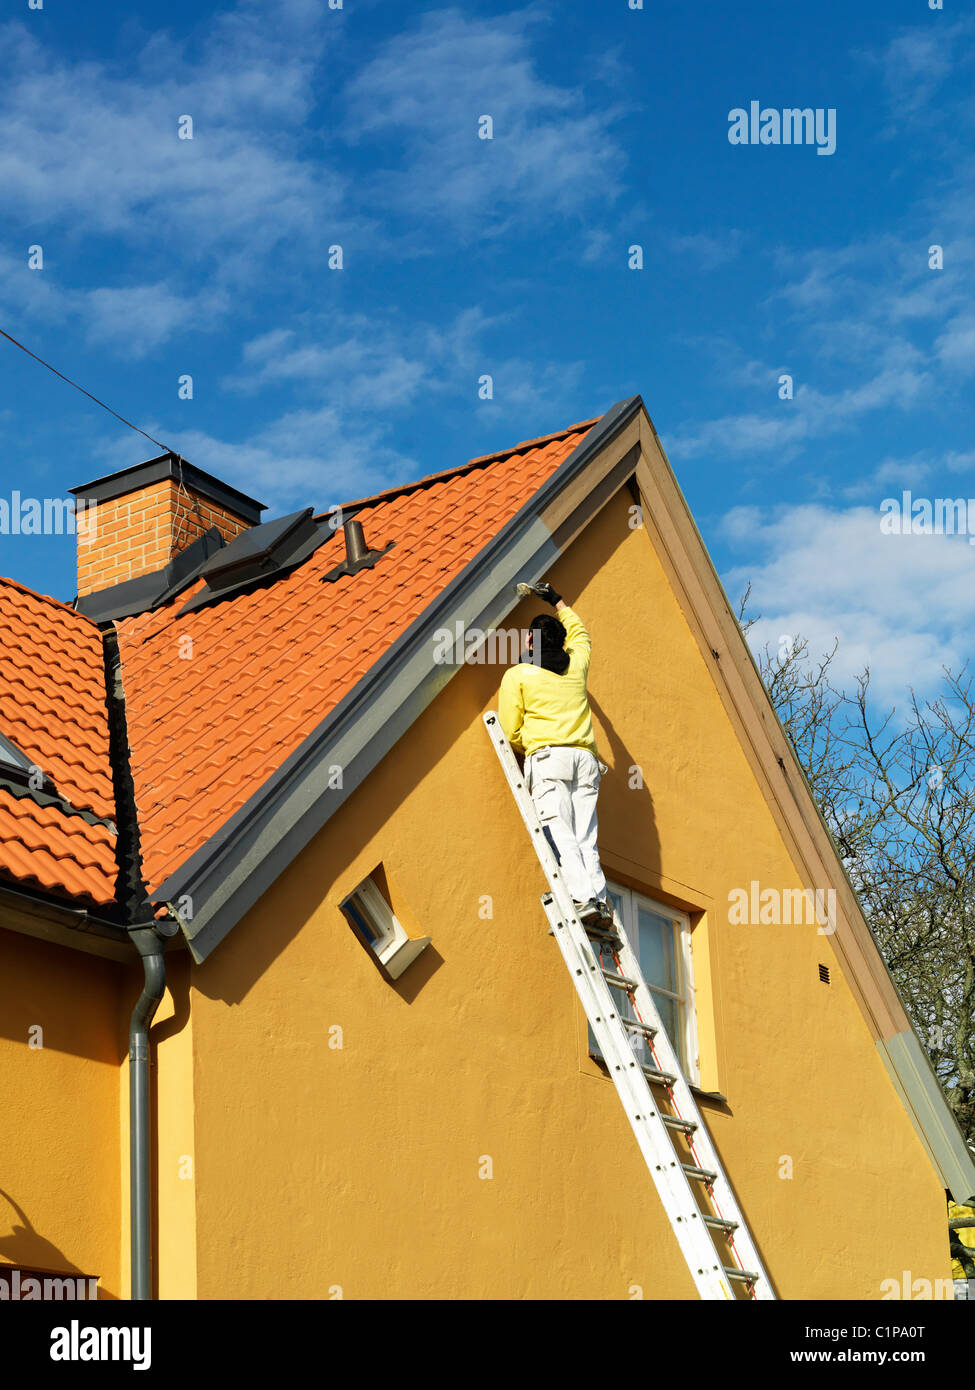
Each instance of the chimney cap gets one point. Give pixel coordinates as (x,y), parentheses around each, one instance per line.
(165,466)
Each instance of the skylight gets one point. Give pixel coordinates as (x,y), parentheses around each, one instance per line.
(17,769)
(261,552)
(12,756)
(13,760)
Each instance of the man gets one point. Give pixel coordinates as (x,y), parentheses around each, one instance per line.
(544,711)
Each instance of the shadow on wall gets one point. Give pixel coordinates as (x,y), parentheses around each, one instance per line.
(625,800)
(75,997)
(25,1246)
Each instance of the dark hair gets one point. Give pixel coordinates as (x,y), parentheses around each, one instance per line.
(551,640)
(550,630)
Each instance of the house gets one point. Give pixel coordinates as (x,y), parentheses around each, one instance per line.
(240,775)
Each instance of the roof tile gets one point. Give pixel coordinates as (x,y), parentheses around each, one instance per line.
(52,707)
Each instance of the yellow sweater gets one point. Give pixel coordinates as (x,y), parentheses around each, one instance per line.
(539,708)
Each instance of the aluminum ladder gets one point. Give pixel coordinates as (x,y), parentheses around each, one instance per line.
(659,1104)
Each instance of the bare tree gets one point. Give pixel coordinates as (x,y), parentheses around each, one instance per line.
(897,792)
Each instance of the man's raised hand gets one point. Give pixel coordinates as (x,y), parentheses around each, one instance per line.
(542,591)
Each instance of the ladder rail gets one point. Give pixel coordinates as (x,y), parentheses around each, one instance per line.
(671,1182)
(701,1145)
(692,1226)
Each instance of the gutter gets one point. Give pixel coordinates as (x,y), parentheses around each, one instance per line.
(48,918)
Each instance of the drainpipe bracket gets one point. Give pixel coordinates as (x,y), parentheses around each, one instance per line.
(149,937)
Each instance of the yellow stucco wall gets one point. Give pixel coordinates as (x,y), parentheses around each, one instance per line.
(357,1171)
(60,1127)
(174,1169)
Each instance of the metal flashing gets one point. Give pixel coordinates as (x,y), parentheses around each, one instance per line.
(260,554)
(150,591)
(48,796)
(170,466)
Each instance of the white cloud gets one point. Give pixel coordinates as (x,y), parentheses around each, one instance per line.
(813,414)
(302,458)
(915,62)
(711,252)
(956,345)
(91,154)
(360,362)
(94,147)
(131,319)
(599,245)
(375,366)
(902,605)
(139,318)
(891,473)
(423,95)
(91,158)
(869,326)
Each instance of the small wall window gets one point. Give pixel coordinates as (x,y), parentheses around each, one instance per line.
(661,939)
(378,928)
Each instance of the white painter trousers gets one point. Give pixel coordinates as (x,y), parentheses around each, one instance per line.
(564,785)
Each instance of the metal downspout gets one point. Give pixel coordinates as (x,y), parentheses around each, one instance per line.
(150,942)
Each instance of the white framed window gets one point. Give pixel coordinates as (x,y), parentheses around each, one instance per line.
(660,937)
(378,927)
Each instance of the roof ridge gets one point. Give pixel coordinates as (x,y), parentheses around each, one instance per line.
(478,462)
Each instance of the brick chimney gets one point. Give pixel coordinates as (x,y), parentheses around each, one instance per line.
(133,522)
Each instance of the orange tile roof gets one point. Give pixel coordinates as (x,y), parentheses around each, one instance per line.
(62,854)
(217,699)
(53,708)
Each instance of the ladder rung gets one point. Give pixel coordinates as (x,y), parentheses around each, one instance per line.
(639,1027)
(618,981)
(699,1174)
(659,1078)
(741,1276)
(600,934)
(718,1223)
(672,1122)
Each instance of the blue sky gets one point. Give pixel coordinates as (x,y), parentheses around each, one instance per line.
(508,257)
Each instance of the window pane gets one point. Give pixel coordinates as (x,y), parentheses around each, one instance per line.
(656,948)
(12,756)
(667,1008)
(354,908)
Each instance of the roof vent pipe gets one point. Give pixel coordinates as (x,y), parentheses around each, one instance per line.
(356,549)
(358,555)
